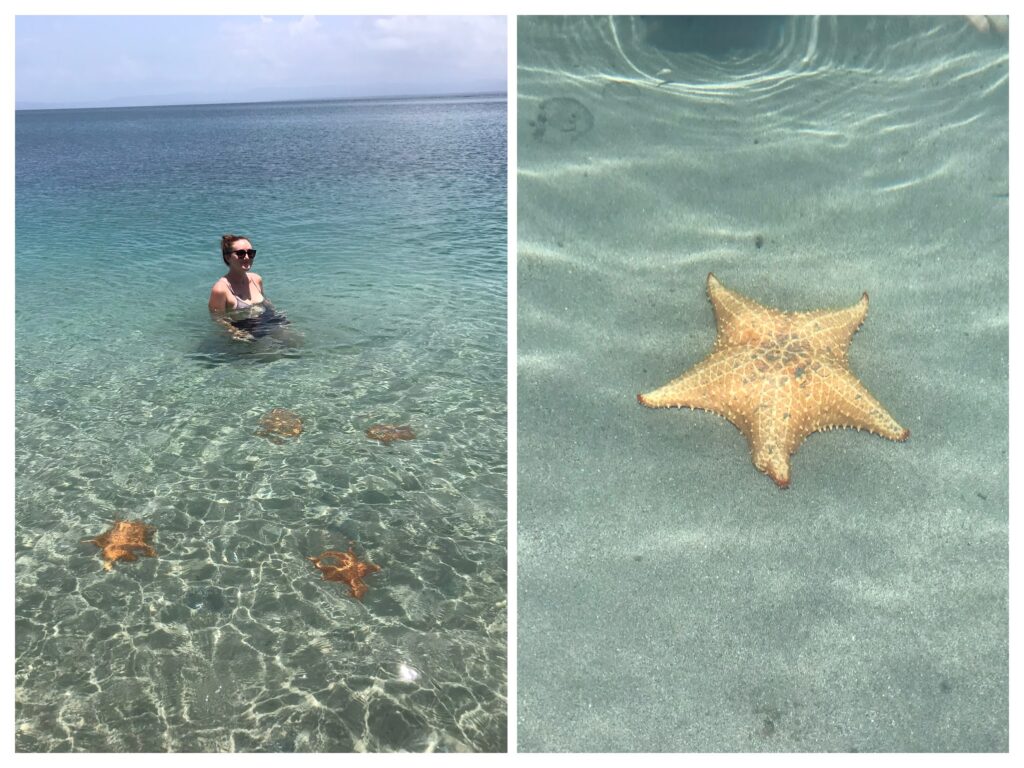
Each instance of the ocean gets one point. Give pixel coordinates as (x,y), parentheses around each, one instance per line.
(671,598)
(380,228)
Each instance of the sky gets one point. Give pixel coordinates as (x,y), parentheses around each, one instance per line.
(95,61)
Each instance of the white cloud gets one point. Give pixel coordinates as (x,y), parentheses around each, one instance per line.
(339,50)
(304,26)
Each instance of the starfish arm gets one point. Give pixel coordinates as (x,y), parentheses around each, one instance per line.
(736,316)
(776,427)
(847,403)
(711,385)
(772,445)
(830,330)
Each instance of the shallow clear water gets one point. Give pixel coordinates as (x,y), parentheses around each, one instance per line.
(381,234)
(671,598)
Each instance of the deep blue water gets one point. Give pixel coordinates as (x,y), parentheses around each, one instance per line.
(381,233)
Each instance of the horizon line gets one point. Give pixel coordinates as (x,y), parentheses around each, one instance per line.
(463,94)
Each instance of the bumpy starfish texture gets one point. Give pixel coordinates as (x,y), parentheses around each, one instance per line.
(778,376)
(345,567)
(124,541)
(279,424)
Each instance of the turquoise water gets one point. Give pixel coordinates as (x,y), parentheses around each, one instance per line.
(381,233)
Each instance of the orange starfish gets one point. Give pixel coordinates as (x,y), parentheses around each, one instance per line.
(123,540)
(387,433)
(349,569)
(779,376)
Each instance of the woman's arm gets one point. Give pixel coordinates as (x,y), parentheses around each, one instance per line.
(218,305)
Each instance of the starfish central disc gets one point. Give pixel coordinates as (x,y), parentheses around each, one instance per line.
(778,376)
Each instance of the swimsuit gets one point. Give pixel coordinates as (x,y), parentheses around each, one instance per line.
(240,303)
(258,325)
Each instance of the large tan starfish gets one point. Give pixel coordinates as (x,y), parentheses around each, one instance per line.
(778,376)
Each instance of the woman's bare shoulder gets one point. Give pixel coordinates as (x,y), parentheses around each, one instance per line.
(219,296)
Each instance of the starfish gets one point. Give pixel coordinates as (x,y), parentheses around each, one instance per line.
(778,377)
(123,540)
(278,424)
(348,568)
(387,433)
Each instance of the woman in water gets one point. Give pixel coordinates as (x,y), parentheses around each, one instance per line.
(237,301)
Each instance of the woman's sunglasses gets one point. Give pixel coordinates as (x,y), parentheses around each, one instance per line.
(251,253)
